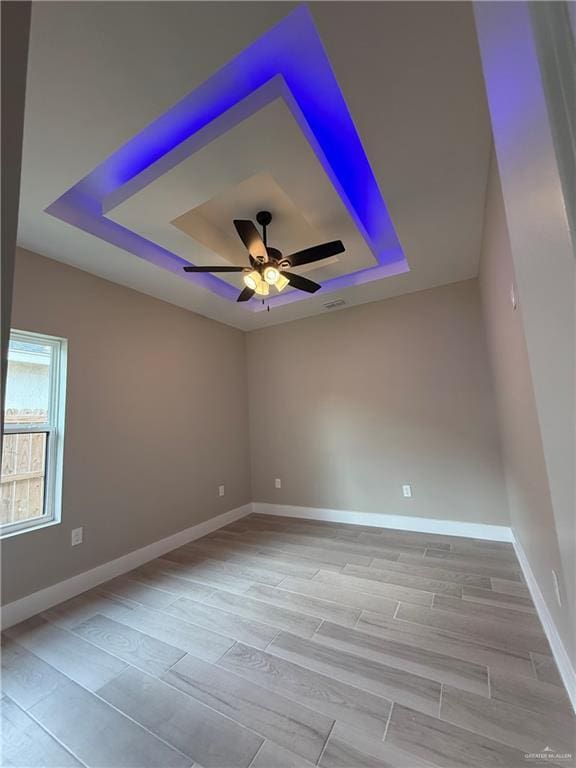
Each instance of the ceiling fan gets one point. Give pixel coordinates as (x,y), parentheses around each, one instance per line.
(268,265)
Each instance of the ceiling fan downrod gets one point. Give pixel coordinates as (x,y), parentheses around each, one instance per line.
(264,218)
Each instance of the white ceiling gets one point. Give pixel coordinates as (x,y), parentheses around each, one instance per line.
(410,73)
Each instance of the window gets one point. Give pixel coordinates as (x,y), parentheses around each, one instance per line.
(32,447)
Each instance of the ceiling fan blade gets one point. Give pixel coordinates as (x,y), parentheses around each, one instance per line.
(316,253)
(213,269)
(246,294)
(302,283)
(251,238)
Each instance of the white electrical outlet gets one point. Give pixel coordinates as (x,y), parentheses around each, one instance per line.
(407,491)
(220,490)
(557,587)
(76,536)
(277,483)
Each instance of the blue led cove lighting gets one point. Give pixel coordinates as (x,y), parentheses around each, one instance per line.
(287,62)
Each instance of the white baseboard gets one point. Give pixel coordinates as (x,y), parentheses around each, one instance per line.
(398,522)
(19,610)
(567,672)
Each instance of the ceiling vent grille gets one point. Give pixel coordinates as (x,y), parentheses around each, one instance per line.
(334,303)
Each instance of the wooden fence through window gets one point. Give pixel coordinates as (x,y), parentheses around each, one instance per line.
(23,469)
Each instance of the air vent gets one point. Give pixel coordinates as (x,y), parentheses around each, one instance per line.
(334,303)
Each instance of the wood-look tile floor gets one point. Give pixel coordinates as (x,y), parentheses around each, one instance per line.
(279,643)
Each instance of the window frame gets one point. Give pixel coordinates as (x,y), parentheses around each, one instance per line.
(54,429)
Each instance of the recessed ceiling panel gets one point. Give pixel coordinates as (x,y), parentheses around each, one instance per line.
(190,209)
(210,224)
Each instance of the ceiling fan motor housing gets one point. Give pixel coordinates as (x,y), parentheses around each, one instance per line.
(274,254)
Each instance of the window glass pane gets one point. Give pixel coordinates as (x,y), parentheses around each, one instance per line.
(23,476)
(28,382)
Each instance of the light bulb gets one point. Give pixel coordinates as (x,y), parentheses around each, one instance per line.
(252,280)
(262,289)
(271,275)
(281,283)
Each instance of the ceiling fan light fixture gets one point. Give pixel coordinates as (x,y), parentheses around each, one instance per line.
(252,280)
(281,283)
(262,289)
(271,275)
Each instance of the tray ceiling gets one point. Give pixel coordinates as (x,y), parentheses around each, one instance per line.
(410,74)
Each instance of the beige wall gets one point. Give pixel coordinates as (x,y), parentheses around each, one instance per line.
(531,512)
(156,419)
(348,406)
(523,116)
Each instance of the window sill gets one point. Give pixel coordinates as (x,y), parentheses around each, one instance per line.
(29,529)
